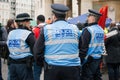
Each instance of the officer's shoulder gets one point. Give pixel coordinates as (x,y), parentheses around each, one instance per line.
(23,30)
(73,25)
(47,26)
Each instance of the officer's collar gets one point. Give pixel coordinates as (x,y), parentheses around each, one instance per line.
(90,24)
(60,20)
(23,27)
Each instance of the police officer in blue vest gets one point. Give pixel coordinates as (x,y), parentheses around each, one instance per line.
(92,47)
(58,45)
(20,43)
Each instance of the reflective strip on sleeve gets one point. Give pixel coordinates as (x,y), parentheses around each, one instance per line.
(51,42)
(54,57)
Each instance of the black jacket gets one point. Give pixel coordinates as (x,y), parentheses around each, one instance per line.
(113,48)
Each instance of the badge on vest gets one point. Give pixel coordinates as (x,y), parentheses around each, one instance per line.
(99,36)
(63,33)
(14,43)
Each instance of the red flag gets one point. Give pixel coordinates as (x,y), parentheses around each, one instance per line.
(103,11)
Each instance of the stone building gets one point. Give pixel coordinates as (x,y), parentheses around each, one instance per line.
(4,11)
(78,7)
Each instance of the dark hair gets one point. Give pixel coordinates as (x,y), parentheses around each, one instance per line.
(60,16)
(9,23)
(41,18)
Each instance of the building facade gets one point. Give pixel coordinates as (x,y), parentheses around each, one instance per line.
(22,6)
(4,11)
(10,8)
(113,8)
(43,7)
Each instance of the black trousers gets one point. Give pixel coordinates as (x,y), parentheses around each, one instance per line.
(20,72)
(113,71)
(91,70)
(61,73)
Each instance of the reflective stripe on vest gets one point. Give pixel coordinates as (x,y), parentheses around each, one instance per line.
(55,57)
(96,44)
(20,50)
(51,42)
(96,55)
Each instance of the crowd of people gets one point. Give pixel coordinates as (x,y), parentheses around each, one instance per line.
(58,47)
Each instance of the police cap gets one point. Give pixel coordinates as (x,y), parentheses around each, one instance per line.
(94,13)
(22,17)
(59,8)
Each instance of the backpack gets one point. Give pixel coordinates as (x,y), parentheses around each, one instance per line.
(36,31)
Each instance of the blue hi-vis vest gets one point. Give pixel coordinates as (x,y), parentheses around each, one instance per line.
(16,43)
(61,44)
(96,46)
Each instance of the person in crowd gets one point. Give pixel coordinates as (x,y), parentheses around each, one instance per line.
(3,39)
(80,26)
(113,50)
(91,47)
(11,25)
(20,43)
(49,21)
(40,23)
(57,47)
(36,30)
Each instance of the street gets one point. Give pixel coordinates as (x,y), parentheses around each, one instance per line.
(5,71)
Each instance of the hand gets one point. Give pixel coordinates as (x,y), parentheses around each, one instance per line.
(40,62)
(90,59)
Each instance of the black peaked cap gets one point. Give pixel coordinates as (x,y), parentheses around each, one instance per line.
(22,17)
(59,8)
(94,12)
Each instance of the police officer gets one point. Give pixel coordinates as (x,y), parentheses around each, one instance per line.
(58,45)
(91,48)
(20,43)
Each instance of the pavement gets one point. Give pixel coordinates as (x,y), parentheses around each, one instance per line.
(5,72)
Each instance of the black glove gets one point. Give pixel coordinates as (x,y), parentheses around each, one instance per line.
(40,61)
(29,61)
(89,59)
(82,57)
